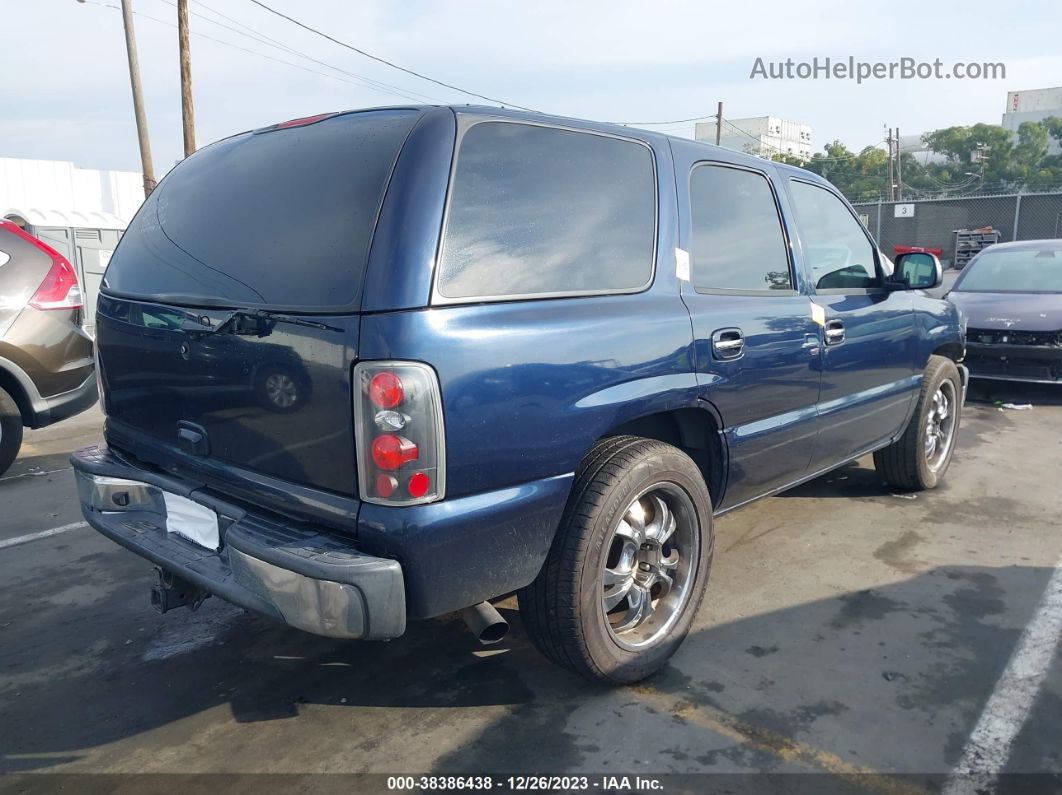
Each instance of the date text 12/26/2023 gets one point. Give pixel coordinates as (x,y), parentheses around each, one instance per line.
(524,783)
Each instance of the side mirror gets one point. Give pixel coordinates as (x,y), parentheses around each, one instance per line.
(918,270)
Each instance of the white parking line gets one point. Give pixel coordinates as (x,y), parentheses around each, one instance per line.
(14,542)
(1008,707)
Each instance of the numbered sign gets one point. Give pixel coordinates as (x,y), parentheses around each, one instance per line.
(904,211)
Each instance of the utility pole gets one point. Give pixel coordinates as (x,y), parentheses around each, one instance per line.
(891,184)
(982,158)
(138,98)
(187,111)
(899,169)
(718,123)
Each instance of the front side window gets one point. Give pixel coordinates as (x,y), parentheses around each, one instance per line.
(538,210)
(837,250)
(737,235)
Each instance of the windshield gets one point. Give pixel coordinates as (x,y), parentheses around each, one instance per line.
(278,218)
(1013,271)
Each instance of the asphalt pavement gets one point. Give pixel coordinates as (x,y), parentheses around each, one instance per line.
(848,631)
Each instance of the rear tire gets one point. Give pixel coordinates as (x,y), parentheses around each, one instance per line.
(920,457)
(629,565)
(10,430)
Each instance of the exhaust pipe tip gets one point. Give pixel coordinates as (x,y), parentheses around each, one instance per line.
(486,623)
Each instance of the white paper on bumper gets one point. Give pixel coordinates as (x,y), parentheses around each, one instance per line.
(192,521)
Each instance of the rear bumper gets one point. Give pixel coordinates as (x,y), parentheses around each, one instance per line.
(315,581)
(59,407)
(1037,364)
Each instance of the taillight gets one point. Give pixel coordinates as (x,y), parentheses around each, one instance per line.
(385,390)
(390,451)
(60,289)
(399,425)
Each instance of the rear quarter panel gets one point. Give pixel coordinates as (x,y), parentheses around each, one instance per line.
(48,345)
(22,269)
(527,388)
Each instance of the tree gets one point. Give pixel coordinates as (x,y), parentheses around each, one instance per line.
(860,174)
(1013,161)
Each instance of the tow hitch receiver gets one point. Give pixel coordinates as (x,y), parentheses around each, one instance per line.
(170,591)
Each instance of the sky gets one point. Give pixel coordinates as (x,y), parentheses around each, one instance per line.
(64,84)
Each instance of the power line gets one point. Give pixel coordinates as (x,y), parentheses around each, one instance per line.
(451,86)
(359,81)
(276,44)
(655,123)
(384,61)
(755,138)
(386,88)
(261,38)
(837,158)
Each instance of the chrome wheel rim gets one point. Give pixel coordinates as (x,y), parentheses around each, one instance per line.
(648,567)
(940,425)
(281,390)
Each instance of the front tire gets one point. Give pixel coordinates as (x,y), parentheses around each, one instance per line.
(10,431)
(920,457)
(629,565)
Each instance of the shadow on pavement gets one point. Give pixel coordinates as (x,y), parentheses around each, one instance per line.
(885,677)
(984,391)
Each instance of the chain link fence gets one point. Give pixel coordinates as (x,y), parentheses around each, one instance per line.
(933,223)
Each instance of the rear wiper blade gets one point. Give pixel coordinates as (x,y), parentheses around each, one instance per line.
(261,315)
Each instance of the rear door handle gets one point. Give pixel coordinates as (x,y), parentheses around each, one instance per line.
(834,331)
(727,343)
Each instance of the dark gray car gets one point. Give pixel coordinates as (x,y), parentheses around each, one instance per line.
(1011,297)
(47,372)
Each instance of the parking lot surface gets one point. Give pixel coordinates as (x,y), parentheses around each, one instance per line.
(847,630)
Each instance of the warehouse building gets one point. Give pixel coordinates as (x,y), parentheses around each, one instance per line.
(1035,105)
(763,136)
(80,212)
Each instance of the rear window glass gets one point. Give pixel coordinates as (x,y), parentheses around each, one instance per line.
(280,218)
(538,210)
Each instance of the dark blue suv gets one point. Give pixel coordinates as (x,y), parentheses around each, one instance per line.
(387,364)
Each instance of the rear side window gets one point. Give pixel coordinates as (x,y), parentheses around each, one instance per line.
(835,246)
(737,234)
(538,210)
(278,218)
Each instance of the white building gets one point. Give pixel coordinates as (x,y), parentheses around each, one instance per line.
(1035,105)
(918,149)
(59,190)
(763,136)
(80,212)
